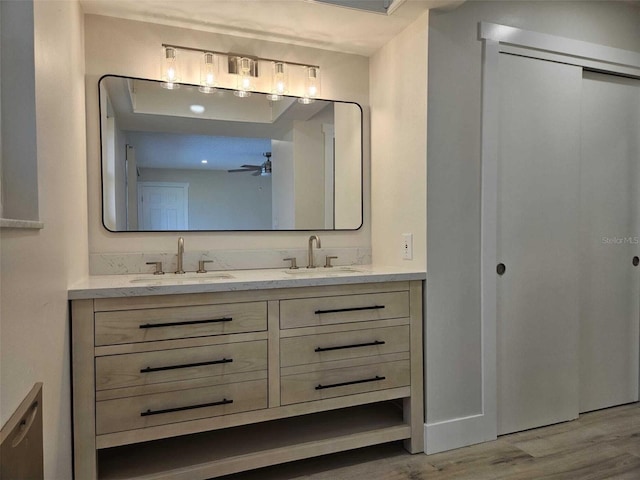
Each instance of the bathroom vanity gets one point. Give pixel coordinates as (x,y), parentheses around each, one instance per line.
(203,376)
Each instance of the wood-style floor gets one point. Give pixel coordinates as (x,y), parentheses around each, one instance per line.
(598,445)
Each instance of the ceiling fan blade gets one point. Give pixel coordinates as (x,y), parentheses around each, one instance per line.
(247,168)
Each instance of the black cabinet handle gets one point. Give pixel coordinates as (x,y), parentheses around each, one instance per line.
(190,407)
(636,261)
(354,382)
(355,345)
(186,322)
(352,309)
(186,365)
(501,268)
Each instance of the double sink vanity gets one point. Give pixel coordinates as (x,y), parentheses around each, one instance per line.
(195,375)
(199,375)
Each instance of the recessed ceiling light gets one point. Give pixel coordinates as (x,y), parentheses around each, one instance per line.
(204,161)
(197,108)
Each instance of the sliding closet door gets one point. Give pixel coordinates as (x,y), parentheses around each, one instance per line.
(609,281)
(537,239)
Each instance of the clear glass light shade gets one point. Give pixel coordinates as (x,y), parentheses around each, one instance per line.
(170,72)
(311,85)
(279,81)
(245,80)
(208,73)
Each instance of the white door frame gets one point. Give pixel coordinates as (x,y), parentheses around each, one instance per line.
(503,39)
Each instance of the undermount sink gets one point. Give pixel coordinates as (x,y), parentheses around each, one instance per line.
(189,277)
(321,271)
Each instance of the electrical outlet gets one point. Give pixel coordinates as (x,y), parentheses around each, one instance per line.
(407,246)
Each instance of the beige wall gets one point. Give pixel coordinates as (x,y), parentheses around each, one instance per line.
(398,78)
(134,49)
(38,266)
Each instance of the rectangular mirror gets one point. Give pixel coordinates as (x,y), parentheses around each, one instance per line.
(182,160)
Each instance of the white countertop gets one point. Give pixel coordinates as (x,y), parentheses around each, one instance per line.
(107,286)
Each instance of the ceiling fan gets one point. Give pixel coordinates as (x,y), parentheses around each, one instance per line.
(264,169)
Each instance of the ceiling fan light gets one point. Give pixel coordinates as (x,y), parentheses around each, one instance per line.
(266,166)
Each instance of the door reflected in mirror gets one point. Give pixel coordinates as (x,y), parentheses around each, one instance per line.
(182,160)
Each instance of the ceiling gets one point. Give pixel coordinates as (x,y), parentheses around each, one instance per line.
(298,22)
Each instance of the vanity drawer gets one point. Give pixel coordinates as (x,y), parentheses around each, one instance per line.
(343,345)
(128,326)
(318,385)
(131,413)
(306,312)
(117,371)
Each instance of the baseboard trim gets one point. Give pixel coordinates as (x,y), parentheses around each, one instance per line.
(458,432)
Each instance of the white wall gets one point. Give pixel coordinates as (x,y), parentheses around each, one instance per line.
(283,189)
(308,167)
(453,334)
(120,157)
(220,200)
(134,49)
(346,188)
(398,78)
(37,266)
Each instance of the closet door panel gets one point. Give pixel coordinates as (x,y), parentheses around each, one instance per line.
(609,282)
(537,238)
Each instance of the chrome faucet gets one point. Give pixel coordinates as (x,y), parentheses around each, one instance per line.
(180,255)
(311,263)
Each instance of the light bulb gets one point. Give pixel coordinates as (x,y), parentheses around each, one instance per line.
(208,73)
(279,82)
(311,85)
(244,78)
(170,73)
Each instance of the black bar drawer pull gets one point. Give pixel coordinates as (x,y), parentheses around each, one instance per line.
(188,322)
(186,365)
(354,382)
(352,309)
(355,345)
(190,407)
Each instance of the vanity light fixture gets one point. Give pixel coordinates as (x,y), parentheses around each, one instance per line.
(208,73)
(279,81)
(170,72)
(245,67)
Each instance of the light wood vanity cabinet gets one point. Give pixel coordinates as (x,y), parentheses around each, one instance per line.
(202,385)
